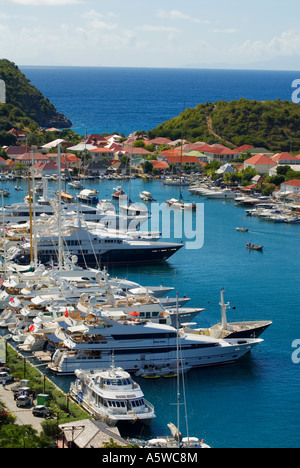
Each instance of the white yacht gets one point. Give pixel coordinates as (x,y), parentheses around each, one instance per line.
(95,247)
(221,194)
(88,196)
(111,396)
(136,344)
(182,205)
(146,196)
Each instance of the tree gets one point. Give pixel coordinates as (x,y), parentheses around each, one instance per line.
(14,436)
(147,167)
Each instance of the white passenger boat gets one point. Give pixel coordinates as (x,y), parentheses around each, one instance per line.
(146,196)
(136,344)
(111,396)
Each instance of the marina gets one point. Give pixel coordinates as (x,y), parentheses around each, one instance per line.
(224,250)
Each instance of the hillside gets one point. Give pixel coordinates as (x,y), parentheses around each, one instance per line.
(24,100)
(274,125)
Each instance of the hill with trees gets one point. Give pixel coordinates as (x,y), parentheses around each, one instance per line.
(274,125)
(24,103)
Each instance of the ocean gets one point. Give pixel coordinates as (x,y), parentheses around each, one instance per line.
(254,402)
(100,100)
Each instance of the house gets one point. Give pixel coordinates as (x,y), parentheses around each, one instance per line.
(197,154)
(27,158)
(219,153)
(254,151)
(137,152)
(68,159)
(261,163)
(96,140)
(160,165)
(21,137)
(285,159)
(55,143)
(46,169)
(14,151)
(160,141)
(291,186)
(102,153)
(118,167)
(225,169)
(98,167)
(82,147)
(184,160)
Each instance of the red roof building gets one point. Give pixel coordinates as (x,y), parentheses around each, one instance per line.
(285,158)
(261,163)
(26,158)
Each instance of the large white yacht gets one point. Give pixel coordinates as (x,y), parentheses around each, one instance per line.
(111,396)
(136,344)
(95,248)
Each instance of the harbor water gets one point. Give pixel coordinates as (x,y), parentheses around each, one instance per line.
(254,402)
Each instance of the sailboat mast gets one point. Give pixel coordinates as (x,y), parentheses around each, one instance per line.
(178,372)
(60,246)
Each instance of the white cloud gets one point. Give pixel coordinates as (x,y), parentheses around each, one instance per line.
(287,44)
(150,28)
(179,15)
(224,31)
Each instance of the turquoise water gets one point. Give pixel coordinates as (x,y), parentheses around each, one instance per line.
(255,402)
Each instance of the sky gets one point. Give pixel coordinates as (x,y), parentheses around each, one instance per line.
(252,34)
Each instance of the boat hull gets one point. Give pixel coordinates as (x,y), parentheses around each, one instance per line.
(128,256)
(131,360)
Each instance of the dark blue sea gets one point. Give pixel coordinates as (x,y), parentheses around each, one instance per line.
(100,100)
(255,402)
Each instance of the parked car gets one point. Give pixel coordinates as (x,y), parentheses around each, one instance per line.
(6,376)
(23,400)
(42,411)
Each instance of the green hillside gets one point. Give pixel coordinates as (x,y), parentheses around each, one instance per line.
(24,101)
(274,125)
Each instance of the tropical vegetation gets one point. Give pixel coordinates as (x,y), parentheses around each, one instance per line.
(274,125)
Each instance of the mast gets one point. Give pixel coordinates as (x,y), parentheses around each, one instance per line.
(35,255)
(178,372)
(30,214)
(223,310)
(4,238)
(60,245)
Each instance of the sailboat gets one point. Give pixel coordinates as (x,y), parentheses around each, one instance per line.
(176,440)
(180,203)
(126,206)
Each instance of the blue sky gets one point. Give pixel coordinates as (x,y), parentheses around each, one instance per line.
(258,34)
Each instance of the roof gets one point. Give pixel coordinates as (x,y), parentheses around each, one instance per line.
(36,157)
(47,166)
(82,147)
(292,183)
(185,159)
(13,150)
(284,157)
(260,160)
(16,132)
(65,157)
(160,141)
(160,165)
(91,434)
(55,143)
(101,150)
(243,148)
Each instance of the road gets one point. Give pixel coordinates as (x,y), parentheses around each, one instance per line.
(24,415)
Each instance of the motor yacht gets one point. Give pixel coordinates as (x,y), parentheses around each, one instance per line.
(111,396)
